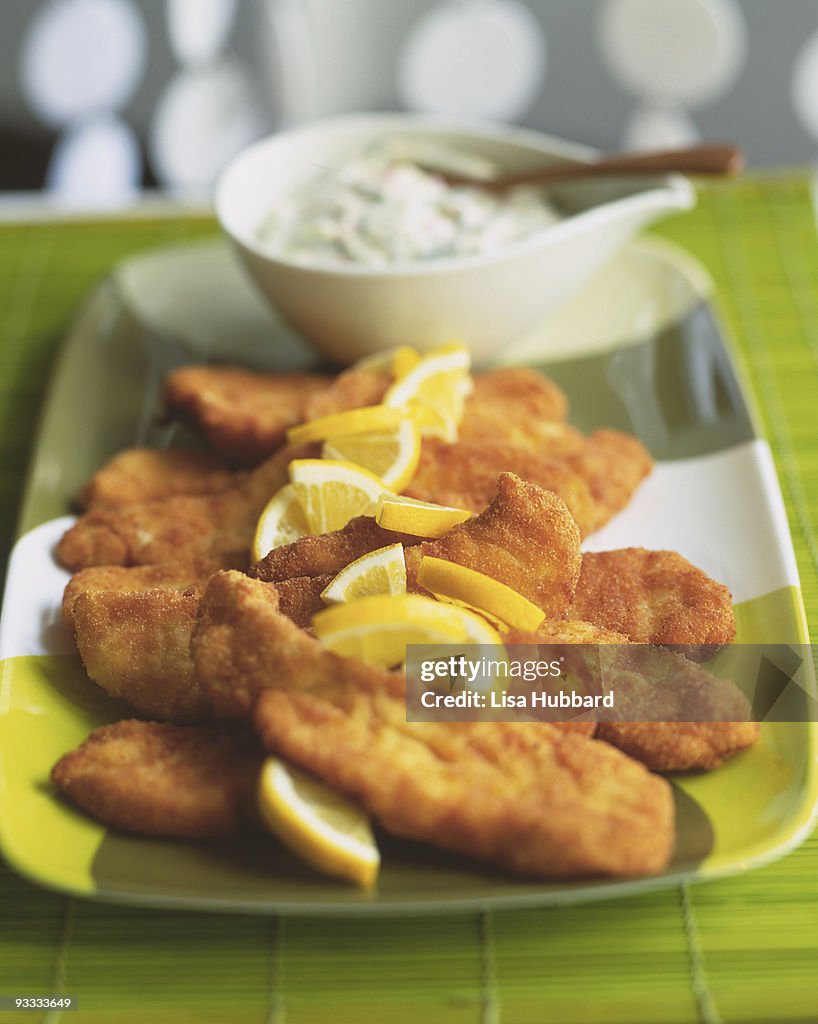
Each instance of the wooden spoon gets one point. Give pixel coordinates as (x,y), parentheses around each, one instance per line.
(711,159)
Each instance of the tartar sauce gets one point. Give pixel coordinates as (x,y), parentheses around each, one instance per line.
(380,209)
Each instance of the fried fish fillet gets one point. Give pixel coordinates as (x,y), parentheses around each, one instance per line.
(464,474)
(680,746)
(299,598)
(244,416)
(520,407)
(145,474)
(327,553)
(655,597)
(672,714)
(613,465)
(163,780)
(243,643)
(534,799)
(179,576)
(137,647)
(180,528)
(525,538)
(652,683)
(349,390)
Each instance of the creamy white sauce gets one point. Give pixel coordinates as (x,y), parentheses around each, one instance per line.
(382,209)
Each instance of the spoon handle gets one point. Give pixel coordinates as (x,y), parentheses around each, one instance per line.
(712,158)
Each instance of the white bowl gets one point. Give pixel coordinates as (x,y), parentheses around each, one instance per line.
(352,310)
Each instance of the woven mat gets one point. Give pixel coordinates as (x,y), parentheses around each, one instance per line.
(740,950)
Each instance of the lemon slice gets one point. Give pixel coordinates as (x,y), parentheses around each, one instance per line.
(418,518)
(434,391)
(471,589)
(322,827)
(396,361)
(282,522)
(392,455)
(377,629)
(353,421)
(379,572)
(333,492)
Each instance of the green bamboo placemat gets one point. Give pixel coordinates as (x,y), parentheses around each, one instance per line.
(740,950)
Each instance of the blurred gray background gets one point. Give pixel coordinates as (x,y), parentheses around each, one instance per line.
(357,50)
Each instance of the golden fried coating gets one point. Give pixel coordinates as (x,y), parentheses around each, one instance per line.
(299,598)
(532,798)
(521,407)
(537,799)
(244,416)
(327,553)
(181,528)
(179,576)
(672,714)
(525,538)
(613,465)
(163,780)
(349,390)
(680,746)
(137,647)
(243,643)
(144,474)
(565,631)
(465,475)
(655,597)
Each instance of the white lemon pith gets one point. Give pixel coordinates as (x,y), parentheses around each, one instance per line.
(469,588)
(379,572)
(322,827)
(333,492)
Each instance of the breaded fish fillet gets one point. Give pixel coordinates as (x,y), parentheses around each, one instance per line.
(243,415)
(613,465)
(137,647)
(680,746)
(163,780)
(179,576)
(465,475)
(299,598)
(525,538)
(537,799)
(534,799)
(243,643)
(349,390)
(327,553)
(520,406)
(655,597)
(186,527)
(673,715)
(146,474)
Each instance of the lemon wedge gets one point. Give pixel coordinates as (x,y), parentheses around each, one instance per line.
(434,391)
(319,825)
(418,518)
(395,361)
(353,421)
(474,590)
(333,492)
(377,629)
(282,522)
(392,455)
(379,572)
